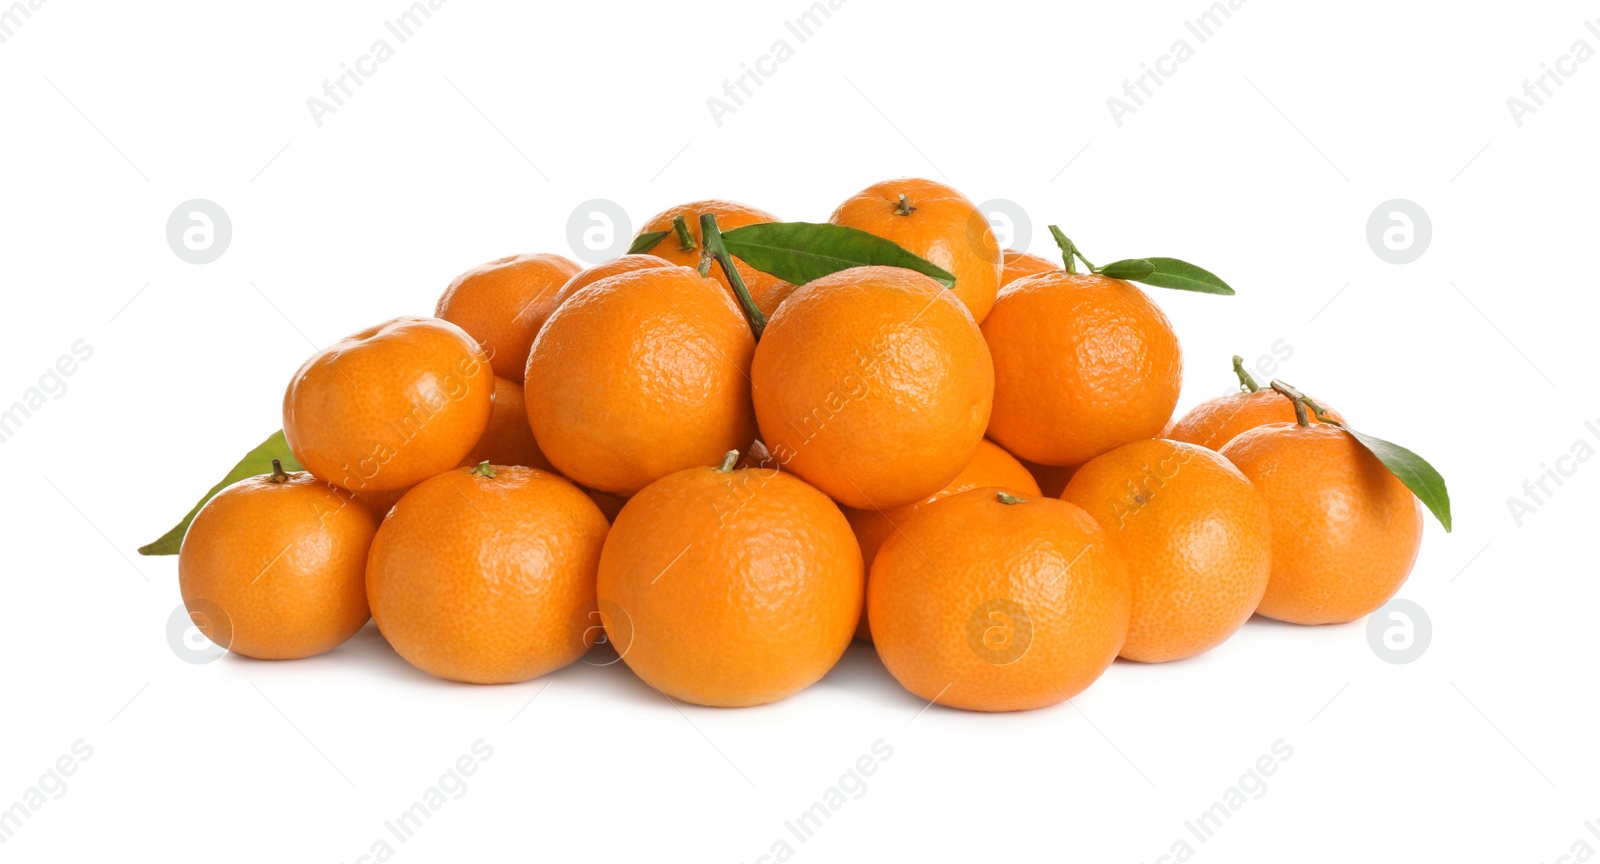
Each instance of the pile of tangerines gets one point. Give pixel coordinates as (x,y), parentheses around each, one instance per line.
(731,454)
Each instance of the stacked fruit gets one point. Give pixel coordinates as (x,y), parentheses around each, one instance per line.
(732,453)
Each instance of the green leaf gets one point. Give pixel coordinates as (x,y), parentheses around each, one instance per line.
(257,461)
(1171,273)
(1414,471)
(799,252)
(645,242)
(1133,269)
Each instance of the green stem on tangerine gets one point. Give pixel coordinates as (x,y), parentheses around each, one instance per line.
(1069,251)
(903,206)
(685,239)
(1302,402)
(1008,498)
(1246,382)
(1294,396)
(1322,416)
(278,475)
(711,236)
(482,469)
(728,461)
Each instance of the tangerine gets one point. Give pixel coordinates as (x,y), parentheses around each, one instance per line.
(390,406)
(1195,535)
(273,567)
(996,602)
(1345,530)
(990,466)
(874,385)
(938,223)
(639,375)
(1083,364)
(728,587)
(503,303)
(765,289)
(486,574)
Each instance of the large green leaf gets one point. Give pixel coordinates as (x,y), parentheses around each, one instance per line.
(1167,273)
(1132,269)
(257,461)
(799,252)
(1414,471)
(1421,478)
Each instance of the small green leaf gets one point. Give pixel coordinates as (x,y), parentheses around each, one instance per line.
(1414,471)
(257,461)
(645,242)
(1134,269)
(1172,273)
(799,252)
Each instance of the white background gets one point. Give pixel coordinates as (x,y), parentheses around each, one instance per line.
(1261,158)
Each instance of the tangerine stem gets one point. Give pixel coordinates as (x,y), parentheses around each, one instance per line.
(1299,399)
(729,460)
(482,469)
(711,236)
(1008,498)
(1322,415)
(1246,383)
(278,474)
(903,206)
(1069,251)
(685,239)
(1302,402)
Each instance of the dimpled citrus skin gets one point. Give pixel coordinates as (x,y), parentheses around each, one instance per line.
(1195,535)
(874,385)
(990,466)
(622,264)
(503,303)
(639,375)
(945,228)
(1082,364)
(1215,422)
(956,592)
(285,564)
(508,439)
(488,580)
(730,588)
(730,215)
(1014,265)
(390,406)
(1345,531)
